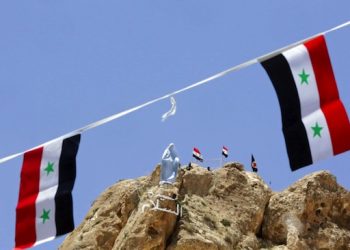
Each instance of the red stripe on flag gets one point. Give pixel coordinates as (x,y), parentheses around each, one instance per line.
(196,150)
(28,192)
(331,105)
(339,126)
(321,63)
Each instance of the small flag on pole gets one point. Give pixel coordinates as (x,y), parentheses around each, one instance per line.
(197,154)
(45,205)
(225,151)
(253,164)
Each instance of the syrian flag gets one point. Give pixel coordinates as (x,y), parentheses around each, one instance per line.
(253,164)
(45,206)
(224,151)
(196,154)
(315,123)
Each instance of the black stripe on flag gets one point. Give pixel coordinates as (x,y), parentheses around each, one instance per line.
(67,174)
(197,157)
(295,136)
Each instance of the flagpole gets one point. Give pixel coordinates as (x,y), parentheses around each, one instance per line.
(191,86)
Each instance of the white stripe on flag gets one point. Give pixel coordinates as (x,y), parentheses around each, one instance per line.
(321,146)
(197,154)
(47,191)
(299,61)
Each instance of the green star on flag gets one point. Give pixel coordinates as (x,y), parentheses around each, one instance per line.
(49,168)
(303,77)
(45,215)
(317,130)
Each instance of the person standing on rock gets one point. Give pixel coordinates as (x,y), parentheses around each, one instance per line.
(189,166)
(254,165)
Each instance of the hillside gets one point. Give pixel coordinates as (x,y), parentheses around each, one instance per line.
(227,208)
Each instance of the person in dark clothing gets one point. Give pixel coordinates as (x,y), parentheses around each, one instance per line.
(189,167)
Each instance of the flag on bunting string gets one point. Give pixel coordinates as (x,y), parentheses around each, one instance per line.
(197,154)
(253,164)
(45,205)
(170,165)
(315,123)
(225,151)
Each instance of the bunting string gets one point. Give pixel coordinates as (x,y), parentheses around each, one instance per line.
(189,87)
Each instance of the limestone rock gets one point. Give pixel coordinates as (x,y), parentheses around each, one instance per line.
(109,214)
(313,213)
(230,206)
(226,208)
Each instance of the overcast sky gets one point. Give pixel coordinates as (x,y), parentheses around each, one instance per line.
(65,64)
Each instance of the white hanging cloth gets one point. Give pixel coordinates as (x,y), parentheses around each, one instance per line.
(172,110)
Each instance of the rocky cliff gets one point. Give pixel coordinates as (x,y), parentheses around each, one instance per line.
(227,208)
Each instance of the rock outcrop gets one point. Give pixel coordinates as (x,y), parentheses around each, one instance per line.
(313,213)
(227,208)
